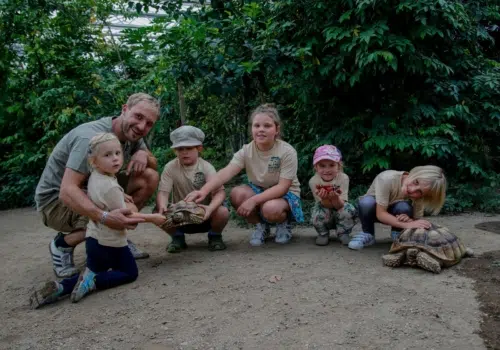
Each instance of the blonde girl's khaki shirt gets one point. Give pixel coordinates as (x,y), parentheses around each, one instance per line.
(181,180)
(264,169)
(341,180)
(106,194)
(387,190)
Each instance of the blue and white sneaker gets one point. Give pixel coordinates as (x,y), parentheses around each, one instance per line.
(361,240)
(283,233)
(84,286)
(62,261)
(259,235)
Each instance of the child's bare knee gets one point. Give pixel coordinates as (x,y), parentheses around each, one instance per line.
(273,211)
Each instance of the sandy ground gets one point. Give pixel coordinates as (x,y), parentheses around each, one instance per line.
(327,298)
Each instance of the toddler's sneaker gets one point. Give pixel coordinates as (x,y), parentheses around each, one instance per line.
(259,235)
(84,286)
(49,293)
(283,233)
(361,240)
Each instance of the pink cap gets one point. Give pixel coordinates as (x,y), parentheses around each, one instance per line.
(327,152)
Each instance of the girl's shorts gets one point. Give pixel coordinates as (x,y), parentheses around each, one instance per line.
(292,199)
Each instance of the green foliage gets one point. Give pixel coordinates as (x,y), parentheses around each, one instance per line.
(393,84)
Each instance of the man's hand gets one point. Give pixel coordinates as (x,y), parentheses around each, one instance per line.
(118,220)
(161,209)
(128,198)
(138,163)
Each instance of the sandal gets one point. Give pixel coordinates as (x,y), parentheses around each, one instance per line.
(177,245)
(216,243)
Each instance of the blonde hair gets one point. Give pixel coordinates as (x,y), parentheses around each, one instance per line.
(270,110)
(432,177)
(97,140)
(142,97)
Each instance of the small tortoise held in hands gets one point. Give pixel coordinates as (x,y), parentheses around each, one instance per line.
(429,249)
(183,213)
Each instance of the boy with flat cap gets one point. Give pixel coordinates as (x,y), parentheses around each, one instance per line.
(186,173)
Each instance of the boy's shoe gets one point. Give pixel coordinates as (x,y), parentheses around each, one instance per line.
(395,235)
(344,239)
(177,245)
(323,239)
(215,242)
(361,240)
(49,293)
(261,232)
(84,286)
(62,260)
(283,233)
(136,252)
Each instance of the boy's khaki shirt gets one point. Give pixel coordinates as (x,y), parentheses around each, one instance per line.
(180,180)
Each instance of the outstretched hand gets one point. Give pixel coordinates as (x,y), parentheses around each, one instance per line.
(119,219)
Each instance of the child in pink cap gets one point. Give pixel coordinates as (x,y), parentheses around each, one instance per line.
(330,187)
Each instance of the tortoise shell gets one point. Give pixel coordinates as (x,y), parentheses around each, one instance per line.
(183,213)
(437,241)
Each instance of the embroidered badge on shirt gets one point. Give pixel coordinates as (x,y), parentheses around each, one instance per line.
(274,165)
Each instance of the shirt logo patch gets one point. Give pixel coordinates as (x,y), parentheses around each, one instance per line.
(274,165)
(199,180)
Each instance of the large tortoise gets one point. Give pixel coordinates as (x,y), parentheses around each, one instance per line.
(183,213)
(429,249)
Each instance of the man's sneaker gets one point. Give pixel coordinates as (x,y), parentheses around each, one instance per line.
(361,240)
(259,235)
(344,239)
(62,261)
(395,235)
(84,286)
(136,252)
(323,239)
(177,244)
(283,233)
(49,293)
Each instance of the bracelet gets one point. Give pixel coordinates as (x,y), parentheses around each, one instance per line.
(103,217)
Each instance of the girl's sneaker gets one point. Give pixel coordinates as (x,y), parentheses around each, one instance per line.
(49,293)
(283,233)
(259,235)
(84,286)
(361,240)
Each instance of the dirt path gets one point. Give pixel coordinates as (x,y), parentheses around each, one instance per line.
(328,297)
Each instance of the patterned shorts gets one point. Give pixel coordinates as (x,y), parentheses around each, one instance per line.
(292,199)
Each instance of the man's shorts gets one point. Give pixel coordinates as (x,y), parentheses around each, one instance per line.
(59,217)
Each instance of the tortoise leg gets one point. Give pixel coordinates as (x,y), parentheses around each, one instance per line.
(469,252)
(428,263)
(411,256)
(393,260)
